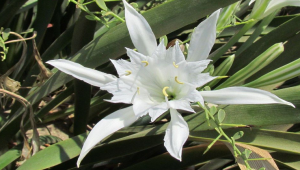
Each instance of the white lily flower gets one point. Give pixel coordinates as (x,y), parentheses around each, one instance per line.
(157,79)
(273,5)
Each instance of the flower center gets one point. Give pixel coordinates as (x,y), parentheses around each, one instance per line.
(169,96)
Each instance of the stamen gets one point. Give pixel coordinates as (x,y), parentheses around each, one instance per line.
(128,72)
(177,81)
(136,92)
(164,91)
(146,62)
(176,66)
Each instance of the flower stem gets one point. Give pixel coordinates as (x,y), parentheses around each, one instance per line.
(219,129)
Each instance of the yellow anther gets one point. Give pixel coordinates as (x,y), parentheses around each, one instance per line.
(128,72)
(146,62)
(221,77)
(179,82)
(164,91)
(176,66)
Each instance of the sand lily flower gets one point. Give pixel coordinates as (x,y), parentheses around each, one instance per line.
(157,79)
(272,6)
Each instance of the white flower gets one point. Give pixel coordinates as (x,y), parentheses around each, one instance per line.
(157,79)
(272,6)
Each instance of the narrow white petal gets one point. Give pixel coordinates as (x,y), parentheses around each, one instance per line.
(176,134)
(106,126)
(142,105)
(122,92)
(91,76)
(242,95)
(251,2)
(135,57)
(160,51)
(181,105)
(140,31)
(175,54)
(195,96)
(203,38)
(277,4)
(158,110)
(122,66)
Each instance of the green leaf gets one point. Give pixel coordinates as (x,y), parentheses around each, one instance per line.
(101,4)
(29,4)
(190,157)
(221,115)
(55,154)
(238,135)
(254,66)
(286,160)
(2,44)
(10,10)
(212,110)
(281,74)
(222,70)
(10,156)
(267,139)
(89,17)
(282,33)
(247,153)
(5,34)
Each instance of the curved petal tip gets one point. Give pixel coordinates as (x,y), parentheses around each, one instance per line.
(108,125)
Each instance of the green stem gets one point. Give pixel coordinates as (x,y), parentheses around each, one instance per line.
(222,133)
(85,9)
(88,3)
(115,15)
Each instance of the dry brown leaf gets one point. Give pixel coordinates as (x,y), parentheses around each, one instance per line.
(257,153)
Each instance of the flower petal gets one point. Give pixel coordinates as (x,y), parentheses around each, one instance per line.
(135,57)
(195,96)
(158,110)
(242,95)
(175,54)
(122,66)
(176,134)
(251,2)
(91,76)
(194,75)
(277,4)
(106,126)
(140,31)
(203,38)
(181,105)
(122,92)
(142,104)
